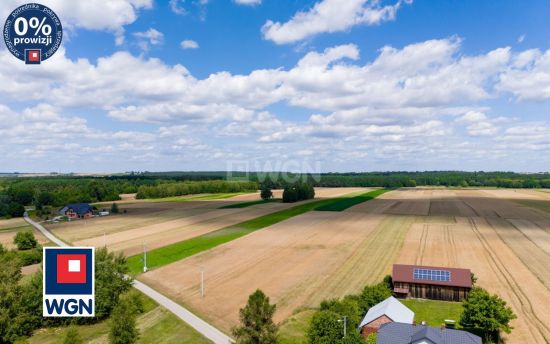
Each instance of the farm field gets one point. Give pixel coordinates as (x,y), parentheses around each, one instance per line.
(163,223)
(9,228)
(318,255)
(297,262)
(504,242)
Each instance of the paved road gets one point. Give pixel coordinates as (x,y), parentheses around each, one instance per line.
(194,321)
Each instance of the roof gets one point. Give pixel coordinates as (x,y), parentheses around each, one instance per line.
(458,277)
(390,307)
(399,333)
(79,208)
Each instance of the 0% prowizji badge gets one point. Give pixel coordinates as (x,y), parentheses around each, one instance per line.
(33,33)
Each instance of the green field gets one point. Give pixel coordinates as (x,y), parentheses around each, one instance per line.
(344,203)
(250,203)
(171,253)
(434,312)
(156,325)
(294,329)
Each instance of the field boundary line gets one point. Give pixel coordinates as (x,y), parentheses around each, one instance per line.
(181,312)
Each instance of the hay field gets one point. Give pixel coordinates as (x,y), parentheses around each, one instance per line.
(162,223)
(504,242)
(298,263)
(317,255)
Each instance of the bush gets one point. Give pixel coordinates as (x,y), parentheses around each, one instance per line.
(347,307)
(123,323)
(72,336)
(114,208)
(298,192)
(25,240)
(29,257)
(266,194)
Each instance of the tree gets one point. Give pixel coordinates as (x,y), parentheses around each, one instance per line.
(327,327)
(25,240)
(487,313)
(373,294)
(371,338)
(266,193)
(110,281)
(16,209)
(114,208)
(257,326)
(347,307)
(72,336)
(123,323)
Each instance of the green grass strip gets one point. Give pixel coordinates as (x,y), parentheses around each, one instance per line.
(183,249)
(249,203)
(346,202)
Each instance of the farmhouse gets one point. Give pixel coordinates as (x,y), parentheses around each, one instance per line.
(399,333)
(77,211)
(428,282)
(389,310)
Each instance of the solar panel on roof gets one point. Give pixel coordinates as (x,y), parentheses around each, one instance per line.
(431,275)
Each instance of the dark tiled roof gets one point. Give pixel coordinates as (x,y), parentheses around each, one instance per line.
(79,208)
(399,333)
(405,273)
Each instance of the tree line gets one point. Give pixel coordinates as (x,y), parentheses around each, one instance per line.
(277,180)
(170,189)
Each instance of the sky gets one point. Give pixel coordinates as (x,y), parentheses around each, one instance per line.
(291,85)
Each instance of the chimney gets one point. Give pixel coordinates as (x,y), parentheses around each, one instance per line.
(414,322)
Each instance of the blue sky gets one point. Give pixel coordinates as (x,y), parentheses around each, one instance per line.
(329,85)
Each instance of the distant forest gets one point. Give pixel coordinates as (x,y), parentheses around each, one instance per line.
(56,191)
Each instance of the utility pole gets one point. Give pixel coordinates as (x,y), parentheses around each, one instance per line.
(144,257)
(202,282)
(345,321)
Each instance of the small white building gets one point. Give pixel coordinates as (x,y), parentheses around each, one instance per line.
(389,310)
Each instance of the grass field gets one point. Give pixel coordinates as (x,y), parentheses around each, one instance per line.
(347,202)
(156,325)
(250,203)
(171,253)
(294,329)
(434,312)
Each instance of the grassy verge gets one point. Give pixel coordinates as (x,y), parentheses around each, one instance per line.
(434,312)
(294,329)
(346,202)
(156,325)
(183,249)
(250,203)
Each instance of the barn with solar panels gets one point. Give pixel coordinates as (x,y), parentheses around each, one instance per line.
(430,282)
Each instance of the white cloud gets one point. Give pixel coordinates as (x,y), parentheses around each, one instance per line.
(177,7)
(151,36)
(528,78)
(109,15)
(248,2)
(189,44)
(521,38)
(329,16)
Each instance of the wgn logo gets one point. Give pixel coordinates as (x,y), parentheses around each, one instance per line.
(68,282)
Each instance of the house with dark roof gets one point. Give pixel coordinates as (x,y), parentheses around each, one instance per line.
(389,310)
(399,333)
(430,282)
(77,211)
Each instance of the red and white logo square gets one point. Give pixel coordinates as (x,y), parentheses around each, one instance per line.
(33,55)
(71,268)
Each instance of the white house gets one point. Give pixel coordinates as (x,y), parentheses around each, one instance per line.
(389,310)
